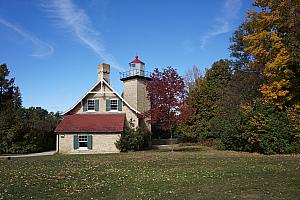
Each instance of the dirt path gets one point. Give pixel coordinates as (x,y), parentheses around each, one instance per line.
(47,153)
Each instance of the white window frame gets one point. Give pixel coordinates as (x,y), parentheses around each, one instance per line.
(87,104)
(87,140)
(114,110)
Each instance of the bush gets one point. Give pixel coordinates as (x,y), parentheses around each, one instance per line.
(260,128)
(185,133)
(232,129)
(133,139)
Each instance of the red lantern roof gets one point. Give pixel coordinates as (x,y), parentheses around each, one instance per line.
(136,60)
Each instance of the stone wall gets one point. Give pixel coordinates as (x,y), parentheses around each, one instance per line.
(102,143)
(130,92)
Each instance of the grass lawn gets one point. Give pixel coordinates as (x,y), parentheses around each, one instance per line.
(201,174)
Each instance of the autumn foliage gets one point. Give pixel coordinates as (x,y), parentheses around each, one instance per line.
(272,39)
(166,92)
(252,103)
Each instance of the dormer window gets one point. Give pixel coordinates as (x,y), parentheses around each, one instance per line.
(91,105)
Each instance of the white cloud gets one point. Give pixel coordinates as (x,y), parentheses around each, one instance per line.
(232,8)
(70,17)
(41,48)
(222,24)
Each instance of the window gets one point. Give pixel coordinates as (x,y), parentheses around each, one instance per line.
(83,141)
(90,104)
(113,104)
(132,65)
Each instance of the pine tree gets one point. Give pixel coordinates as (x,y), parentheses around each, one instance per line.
(204,96)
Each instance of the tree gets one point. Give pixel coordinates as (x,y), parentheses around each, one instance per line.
(241,58)
(166,92)
(23,130)
(133,139)
(271,36)
(258,111)
(10,103)
(33,131)
(192,76)
(204,96)
(10,97)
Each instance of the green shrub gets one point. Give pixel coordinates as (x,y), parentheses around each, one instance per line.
(185,133)
(259,128)
(133,139)
(272,127)
(233,131)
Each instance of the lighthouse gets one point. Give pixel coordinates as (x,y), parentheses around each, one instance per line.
(135,82)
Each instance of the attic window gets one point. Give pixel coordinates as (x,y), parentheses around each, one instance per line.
(91,104)
(113,104)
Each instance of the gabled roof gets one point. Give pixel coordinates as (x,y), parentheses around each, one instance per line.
(102,82)
(91,123)
(136,60)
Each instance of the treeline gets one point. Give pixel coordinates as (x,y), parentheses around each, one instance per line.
(23,130)
(252,102)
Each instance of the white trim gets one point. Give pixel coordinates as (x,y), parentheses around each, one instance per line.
(101,91)
(57,142)
(80,100)
(82,149)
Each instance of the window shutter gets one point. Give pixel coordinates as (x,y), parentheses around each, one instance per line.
(75,142)
(84,105)
(120,105)
(90,142)
(107,104)
(97,105)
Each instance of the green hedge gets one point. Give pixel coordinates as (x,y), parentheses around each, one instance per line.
(259,128)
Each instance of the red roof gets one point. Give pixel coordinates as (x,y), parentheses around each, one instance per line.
(103,123)
(136,60)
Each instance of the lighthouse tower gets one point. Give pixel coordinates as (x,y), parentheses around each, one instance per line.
(135,81)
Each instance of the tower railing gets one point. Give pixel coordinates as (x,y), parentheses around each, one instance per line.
(135,72)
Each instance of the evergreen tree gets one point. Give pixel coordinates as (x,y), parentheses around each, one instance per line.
(10,97)
(203,98)
(23,130)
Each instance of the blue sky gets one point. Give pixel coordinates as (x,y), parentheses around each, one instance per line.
(53,47)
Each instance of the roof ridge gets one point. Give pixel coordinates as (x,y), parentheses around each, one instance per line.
(91,114)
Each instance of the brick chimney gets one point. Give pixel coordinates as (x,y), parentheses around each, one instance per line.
(104,72)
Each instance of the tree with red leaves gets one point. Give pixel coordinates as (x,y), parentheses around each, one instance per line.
(166,92)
